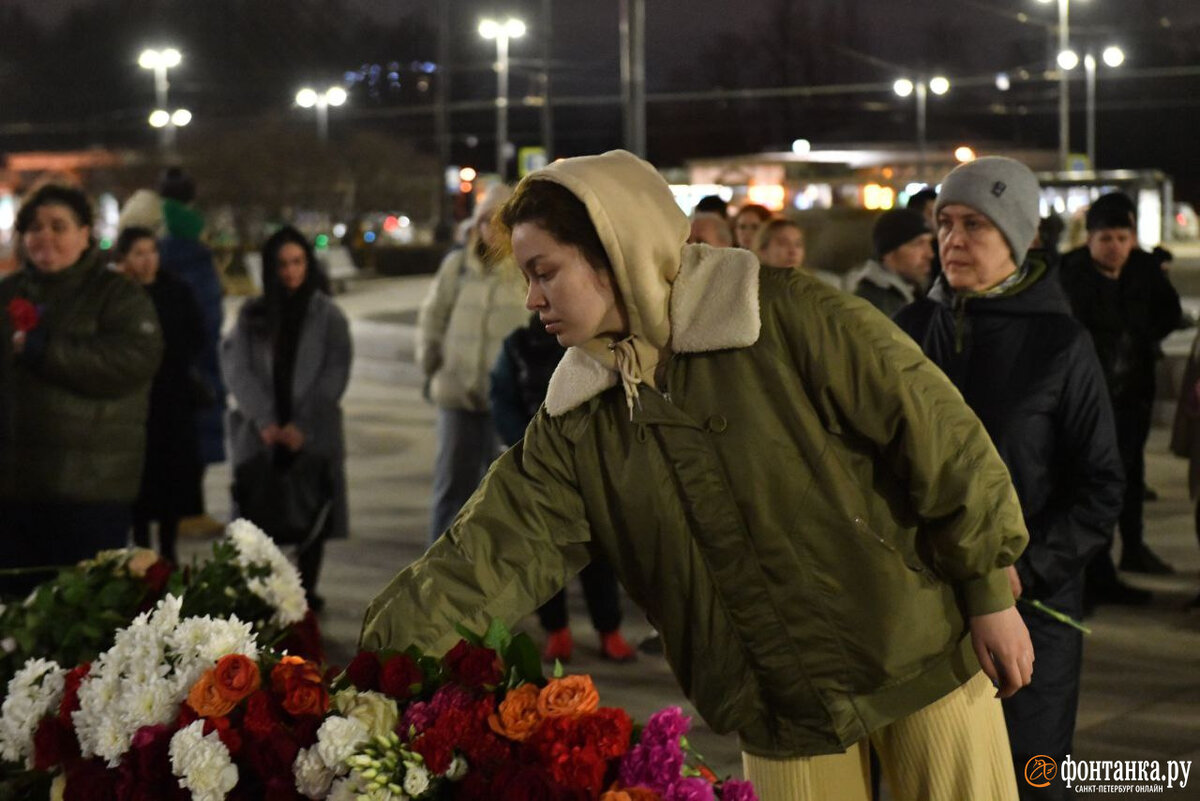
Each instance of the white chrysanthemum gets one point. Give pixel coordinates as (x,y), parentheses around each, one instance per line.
(282,588)
(416,779)
(149,704)
(458,768)
(338,739)
(374,710)
(343,790)
(313,776)
(201,763)
(32,691)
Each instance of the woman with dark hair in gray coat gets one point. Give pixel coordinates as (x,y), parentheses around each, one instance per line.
(287,363)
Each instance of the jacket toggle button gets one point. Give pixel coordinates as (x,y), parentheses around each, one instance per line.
(716,424)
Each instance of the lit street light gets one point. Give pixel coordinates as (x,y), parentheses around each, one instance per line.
(502,32)
(904,87)
(1112,56)
(160,61)
(310,98)
(161,118)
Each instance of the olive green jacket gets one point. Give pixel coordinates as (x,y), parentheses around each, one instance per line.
(808,512)
(73,406)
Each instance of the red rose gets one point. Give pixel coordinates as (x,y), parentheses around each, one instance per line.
(304,639)
(261,717)
(90,780)
(400,677)
(437,749)
(23,315)
(608,730)
(230,737)
(156,577)
(54,744)
(145,771)
(270,756)
(561,746)
(70,699)
(473,665)
(363,671)
(516,782)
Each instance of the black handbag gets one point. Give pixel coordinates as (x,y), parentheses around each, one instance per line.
(289,499)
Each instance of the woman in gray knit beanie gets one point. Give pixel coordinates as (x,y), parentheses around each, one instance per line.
(998,323)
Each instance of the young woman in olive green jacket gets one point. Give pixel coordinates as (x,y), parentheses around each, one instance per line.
(810,515)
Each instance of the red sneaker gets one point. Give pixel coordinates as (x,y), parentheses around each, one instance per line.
(558,646)
(614,647)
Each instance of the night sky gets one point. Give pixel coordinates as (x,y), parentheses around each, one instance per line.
(704,44)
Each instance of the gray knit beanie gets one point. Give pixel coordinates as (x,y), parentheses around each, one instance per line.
(1002,189)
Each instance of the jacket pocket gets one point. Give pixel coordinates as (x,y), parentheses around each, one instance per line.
(907,555)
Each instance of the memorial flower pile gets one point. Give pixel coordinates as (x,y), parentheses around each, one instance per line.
(196,708)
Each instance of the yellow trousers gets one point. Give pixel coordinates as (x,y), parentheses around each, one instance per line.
(955,749)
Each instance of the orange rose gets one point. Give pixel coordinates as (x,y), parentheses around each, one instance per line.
(292,669)
(205,697)
(299,682)
(570,696)
(237,677)
(630,794)
(519,714)
(306,698)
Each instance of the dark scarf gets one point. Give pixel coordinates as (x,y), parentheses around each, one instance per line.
(285,340)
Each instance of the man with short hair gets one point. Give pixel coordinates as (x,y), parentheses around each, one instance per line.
(896,276)
(1122,296)
(709,228)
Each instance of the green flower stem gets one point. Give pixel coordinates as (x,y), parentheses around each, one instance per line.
(1057,615)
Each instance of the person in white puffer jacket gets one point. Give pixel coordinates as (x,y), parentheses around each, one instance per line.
(474,303)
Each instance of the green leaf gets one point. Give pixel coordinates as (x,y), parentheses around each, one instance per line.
(497,637)
(467,634)
(522,656)
(559,672)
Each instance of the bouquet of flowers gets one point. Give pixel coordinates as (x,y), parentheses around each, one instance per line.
(193,708)
(73,617)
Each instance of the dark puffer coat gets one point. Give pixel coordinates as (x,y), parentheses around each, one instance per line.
(74,403)
(1031,374)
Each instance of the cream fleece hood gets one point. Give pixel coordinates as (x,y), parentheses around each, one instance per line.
(643,232)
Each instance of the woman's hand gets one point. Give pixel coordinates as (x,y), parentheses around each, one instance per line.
(1014,581)
(291,437)
(1004,649)
(270,434)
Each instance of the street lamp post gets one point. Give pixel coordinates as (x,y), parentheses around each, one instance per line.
(905,87)
(1064,93)
(159,61)
(311,98)
(1112,56)
(502,31)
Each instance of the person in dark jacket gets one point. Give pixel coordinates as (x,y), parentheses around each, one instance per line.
(1123,297)
(171,481)
(287,364)
(79,345)
(518,384)
(897,276)
(1005,337)
(184,255)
